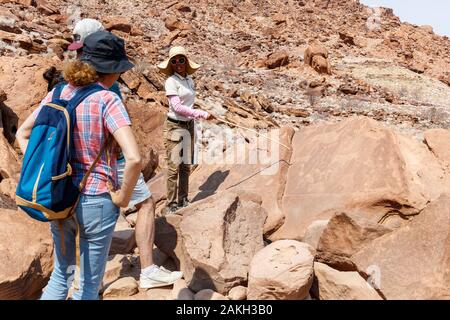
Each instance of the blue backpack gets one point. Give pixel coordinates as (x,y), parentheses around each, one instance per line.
(46,191)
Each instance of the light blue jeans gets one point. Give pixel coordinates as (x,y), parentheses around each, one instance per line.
(97,217)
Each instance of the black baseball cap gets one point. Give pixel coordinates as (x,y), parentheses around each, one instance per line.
(106,53)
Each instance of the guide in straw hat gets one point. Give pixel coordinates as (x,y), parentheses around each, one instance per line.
(179,126)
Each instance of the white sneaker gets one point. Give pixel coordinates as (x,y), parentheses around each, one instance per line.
(160,278)
(167,270)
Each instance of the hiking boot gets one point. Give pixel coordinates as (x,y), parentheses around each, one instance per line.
(159,278)
(183,203)
(171,209)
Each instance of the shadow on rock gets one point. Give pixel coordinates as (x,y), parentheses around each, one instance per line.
(211,184)
(9,122)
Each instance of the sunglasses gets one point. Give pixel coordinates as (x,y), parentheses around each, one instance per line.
(76,37)
(179,61)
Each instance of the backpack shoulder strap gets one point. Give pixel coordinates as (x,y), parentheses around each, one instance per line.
(91,168)
(82,94)
(57,92)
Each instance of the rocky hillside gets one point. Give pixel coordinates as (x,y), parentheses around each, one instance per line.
(358,194)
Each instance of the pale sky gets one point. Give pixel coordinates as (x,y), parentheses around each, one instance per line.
(435,13)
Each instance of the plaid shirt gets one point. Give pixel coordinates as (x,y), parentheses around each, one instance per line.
(99,115)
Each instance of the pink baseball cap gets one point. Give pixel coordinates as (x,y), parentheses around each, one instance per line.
(82,29)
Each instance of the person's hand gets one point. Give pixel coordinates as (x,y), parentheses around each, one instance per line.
(210,117)
(213,119)
(116,196)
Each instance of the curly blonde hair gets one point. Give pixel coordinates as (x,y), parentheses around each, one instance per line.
(79,73)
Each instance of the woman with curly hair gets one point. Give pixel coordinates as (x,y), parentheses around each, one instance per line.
(99,116)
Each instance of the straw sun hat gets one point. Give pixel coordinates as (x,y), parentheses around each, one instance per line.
(166,67)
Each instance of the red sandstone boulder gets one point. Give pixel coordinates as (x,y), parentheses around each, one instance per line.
(220,236)
(260,167)
(360,167)
(26,250)
(412,262)
(281,271)
(331,284)
(18,73)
